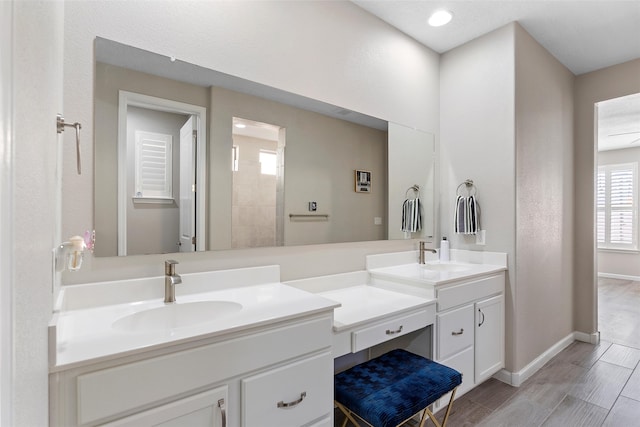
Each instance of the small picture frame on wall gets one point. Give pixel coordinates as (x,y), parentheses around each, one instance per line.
(363,181)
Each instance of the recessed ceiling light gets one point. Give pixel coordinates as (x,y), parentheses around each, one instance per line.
(440,18)
(240,125)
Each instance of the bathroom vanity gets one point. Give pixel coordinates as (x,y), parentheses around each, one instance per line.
(469,291)
(240,348)
(267,363)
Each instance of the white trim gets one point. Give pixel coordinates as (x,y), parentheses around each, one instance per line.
(6,213)
(516,379)
(593,338)
(160,104)
(619,276)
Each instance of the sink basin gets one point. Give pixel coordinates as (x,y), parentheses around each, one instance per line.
(174,316)
(446,266)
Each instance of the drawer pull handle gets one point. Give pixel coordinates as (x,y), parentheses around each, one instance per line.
(282,404)
(397,331)
(223,412)
(458,333)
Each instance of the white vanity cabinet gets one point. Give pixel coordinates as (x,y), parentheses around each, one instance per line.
(470,328)
(489,337)
(208,408)
(279,374)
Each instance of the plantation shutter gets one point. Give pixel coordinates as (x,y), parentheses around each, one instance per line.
(617,206)
(153,165)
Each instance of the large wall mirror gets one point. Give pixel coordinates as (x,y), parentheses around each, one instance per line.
(190,159)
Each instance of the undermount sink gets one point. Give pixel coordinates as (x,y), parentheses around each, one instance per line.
(445,266)
(177,315)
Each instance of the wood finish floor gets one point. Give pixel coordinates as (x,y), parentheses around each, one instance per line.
(584,385)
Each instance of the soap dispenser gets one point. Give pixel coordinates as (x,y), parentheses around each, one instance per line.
(69,254)
(444,250)
(75,253)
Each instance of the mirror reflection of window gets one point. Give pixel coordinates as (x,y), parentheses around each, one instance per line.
(268,162)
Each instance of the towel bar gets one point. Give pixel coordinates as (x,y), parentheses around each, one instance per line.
(309,217)
(468,183)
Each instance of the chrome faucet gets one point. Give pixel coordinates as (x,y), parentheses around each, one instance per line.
(422,250)
(171,279)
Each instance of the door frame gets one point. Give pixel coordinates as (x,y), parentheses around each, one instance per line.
(126,99)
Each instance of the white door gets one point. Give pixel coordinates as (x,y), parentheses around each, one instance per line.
(187,186)
(489,343)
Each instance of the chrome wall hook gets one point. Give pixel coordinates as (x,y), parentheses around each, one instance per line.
(60,124)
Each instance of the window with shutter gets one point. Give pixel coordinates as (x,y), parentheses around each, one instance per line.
(617,206)
(153,166)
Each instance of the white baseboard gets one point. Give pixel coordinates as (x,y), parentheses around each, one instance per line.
(516,379)
(593,338)
(619,276)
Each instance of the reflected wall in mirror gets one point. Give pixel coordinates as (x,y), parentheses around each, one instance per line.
(322,153)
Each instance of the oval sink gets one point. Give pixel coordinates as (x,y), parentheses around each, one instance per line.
(178,315)
(446,267)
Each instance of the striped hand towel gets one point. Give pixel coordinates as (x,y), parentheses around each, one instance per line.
(466,219)
(412,215)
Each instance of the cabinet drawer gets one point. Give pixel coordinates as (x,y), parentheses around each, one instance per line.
(455,331)
(368,337)
(292,395)
(452,296)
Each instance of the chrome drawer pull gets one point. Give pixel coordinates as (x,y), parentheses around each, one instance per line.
(223,412)
(458,333)
(281,404)
(397,331)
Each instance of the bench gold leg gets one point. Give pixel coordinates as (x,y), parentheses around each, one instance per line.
(347,412)
(433,418)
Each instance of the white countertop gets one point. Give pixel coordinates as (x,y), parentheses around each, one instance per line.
(421,274)
(85,336)
(364,304)
(403,267)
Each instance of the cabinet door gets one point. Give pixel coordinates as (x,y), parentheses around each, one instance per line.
(205,409)
(489,337)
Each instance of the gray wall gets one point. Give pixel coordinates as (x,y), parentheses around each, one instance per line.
(506,113)
(611,82)
(478,142)
(544,200)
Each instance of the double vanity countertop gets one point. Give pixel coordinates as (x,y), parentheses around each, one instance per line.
(80,336)
(96,322)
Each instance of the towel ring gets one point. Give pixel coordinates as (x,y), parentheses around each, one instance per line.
(415,188)
(470,187)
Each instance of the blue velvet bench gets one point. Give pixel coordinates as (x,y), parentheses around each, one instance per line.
(390,389)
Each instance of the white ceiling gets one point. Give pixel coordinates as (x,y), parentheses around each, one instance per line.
(584,35)
(619,123)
